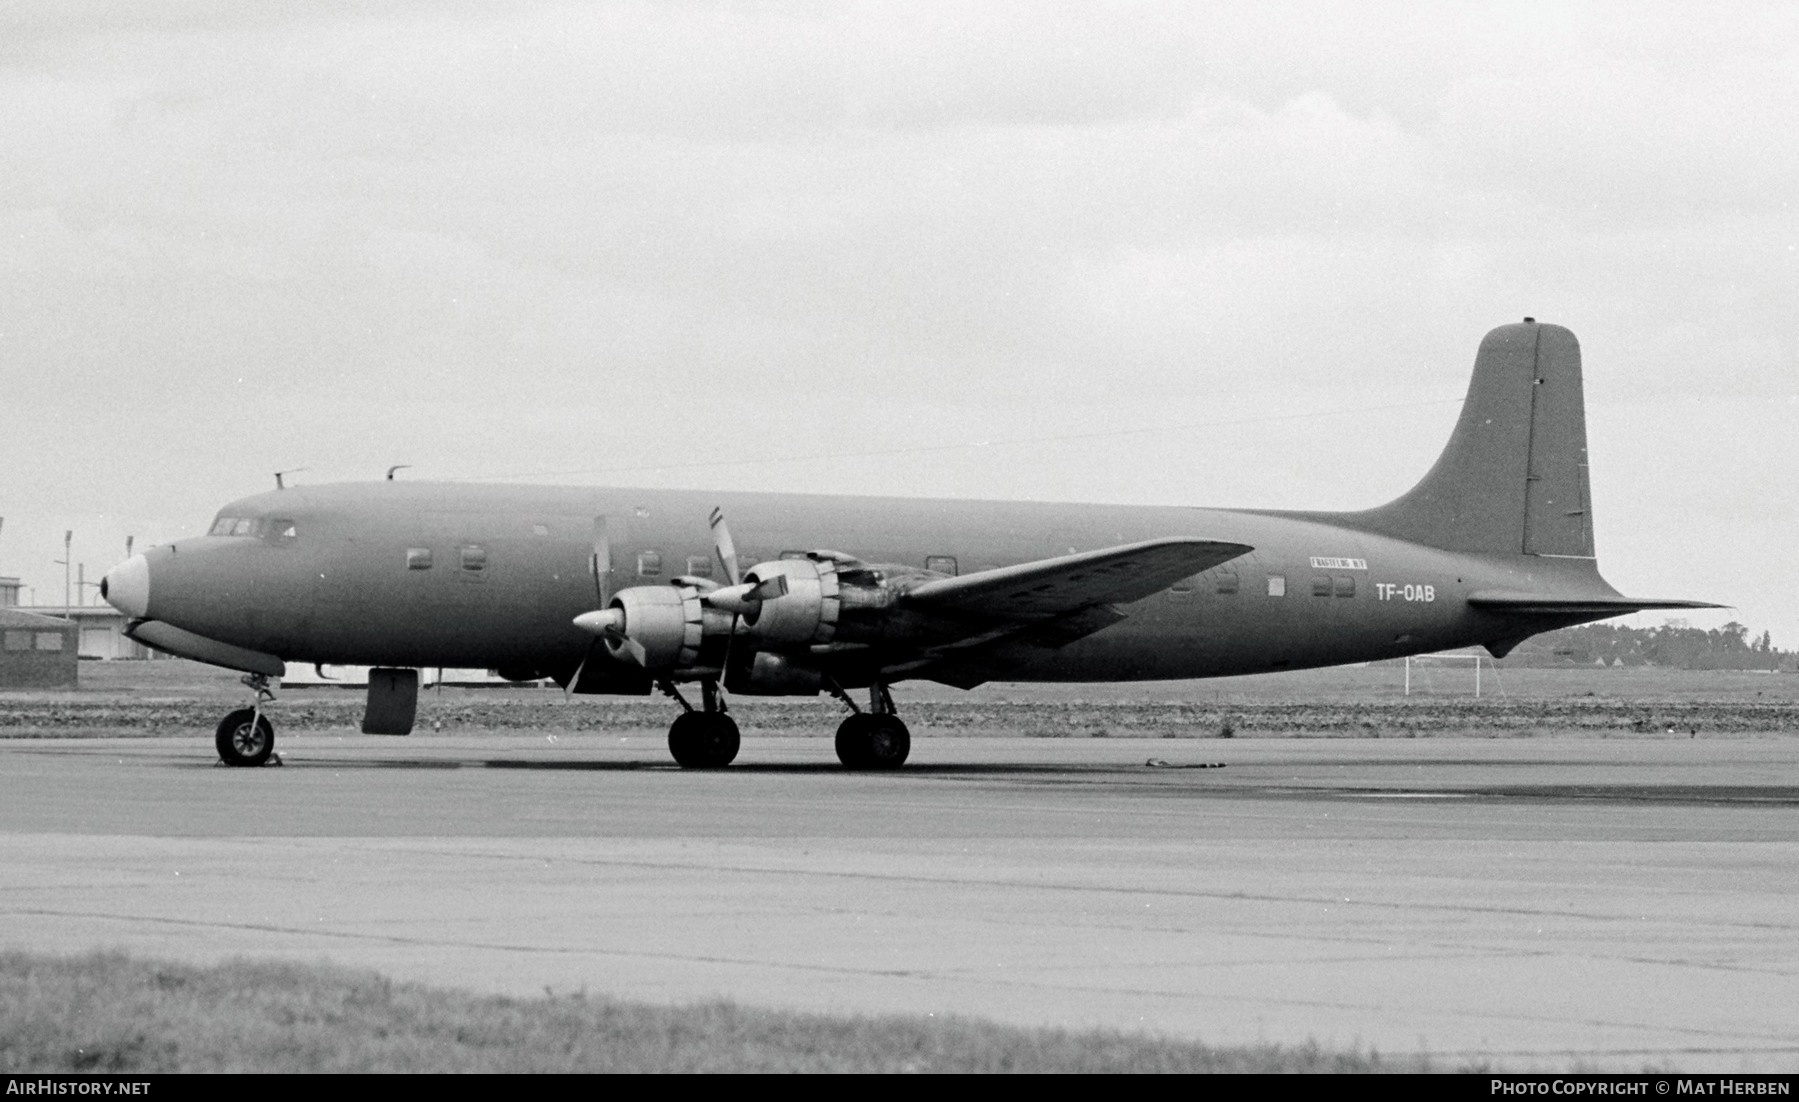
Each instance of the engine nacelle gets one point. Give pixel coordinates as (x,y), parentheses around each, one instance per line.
(671,625)
(806,613)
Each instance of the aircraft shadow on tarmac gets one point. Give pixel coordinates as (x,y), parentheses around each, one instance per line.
(1110,774)
(821,768)
(833,769)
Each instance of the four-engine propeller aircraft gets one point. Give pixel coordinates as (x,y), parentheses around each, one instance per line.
(622,591)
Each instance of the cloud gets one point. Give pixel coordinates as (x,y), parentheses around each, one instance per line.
(499,238)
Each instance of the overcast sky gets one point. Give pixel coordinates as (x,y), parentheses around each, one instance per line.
(895,248)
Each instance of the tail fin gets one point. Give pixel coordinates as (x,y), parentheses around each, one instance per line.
(1513,477)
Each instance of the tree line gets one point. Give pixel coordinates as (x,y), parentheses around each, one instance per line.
(1675,644)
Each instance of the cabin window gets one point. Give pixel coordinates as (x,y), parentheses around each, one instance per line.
(649,564)
(1321,585)
(699,566)
(1227,582)
(941,564)
(418,558)
(1345,586)
(1277,585)
(474,558)
(540,529)
(18,640)
(283,531)
(49,640)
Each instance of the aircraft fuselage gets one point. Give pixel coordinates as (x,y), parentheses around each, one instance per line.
(422,574)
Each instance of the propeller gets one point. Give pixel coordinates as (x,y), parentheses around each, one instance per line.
(736,598)
(609,624)
(600,566)
(740,598)
(747,597)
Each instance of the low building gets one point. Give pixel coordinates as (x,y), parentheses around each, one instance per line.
(37,652)
(102,631)
(9,592)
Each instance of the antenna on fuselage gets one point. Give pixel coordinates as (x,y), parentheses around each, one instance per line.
(396,467)
(280,485)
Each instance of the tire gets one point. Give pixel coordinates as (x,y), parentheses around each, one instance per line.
(870,742)
(240,743)
(703,740)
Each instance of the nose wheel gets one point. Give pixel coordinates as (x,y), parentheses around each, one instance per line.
(246,737)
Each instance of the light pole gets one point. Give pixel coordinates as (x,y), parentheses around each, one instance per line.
(68,538)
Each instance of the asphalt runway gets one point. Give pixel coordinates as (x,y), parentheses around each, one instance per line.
(1531,902)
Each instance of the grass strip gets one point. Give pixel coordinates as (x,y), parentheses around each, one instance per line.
(110,1012)
(25,718)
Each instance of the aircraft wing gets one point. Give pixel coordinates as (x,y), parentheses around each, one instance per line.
(1055,587)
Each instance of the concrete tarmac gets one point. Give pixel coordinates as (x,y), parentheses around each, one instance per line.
(1531,903)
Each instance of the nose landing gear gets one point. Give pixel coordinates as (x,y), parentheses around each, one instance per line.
(246,737)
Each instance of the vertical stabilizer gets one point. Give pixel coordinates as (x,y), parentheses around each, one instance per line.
(1513,477)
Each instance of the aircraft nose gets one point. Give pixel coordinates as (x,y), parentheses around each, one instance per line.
(126,587)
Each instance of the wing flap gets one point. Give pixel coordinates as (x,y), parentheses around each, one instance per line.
(1055,587)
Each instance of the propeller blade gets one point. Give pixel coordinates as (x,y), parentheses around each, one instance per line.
(568,690)
(601,563)
(727,550)
(727,555)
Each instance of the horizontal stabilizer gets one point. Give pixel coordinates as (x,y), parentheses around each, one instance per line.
(1537,604)
(1055,587)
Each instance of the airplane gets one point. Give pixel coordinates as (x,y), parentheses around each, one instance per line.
(626,591)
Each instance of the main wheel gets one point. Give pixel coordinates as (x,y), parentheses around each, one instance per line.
(870,741)
(703,740)
(245,738)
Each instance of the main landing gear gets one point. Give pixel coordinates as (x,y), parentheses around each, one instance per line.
(707,738)
(703,739)
(246,737)
(875,739)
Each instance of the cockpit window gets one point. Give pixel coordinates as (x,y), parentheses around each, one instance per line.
(235,526)
(282,531)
